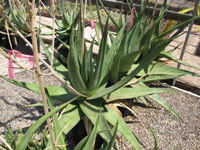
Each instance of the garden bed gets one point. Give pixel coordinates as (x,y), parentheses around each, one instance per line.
(171,133)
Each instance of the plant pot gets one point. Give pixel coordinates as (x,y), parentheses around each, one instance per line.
(23,47)
(4,42)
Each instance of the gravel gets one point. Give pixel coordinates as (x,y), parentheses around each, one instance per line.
(171,132)
(13,100)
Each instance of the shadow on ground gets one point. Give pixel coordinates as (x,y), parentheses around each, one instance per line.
(27,113)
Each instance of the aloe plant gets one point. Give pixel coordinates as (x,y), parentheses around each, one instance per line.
(141,37)
(3,10)
(19,16)
(91,78)
(63,31)
(64,27)
(4,37)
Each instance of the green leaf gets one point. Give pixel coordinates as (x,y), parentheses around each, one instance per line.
(38,123)
(98,13)
(92,115)
(112,19)
(128,93)
(73,60)
(169,56)
(30,86)
(94,82)
(39,104)
(120,23)
(161,101)
(91,139)
(3,148)
(182,24)
(58,135)
(142,98)
(158,78)
(112,117)
(58,67)
(98,32)
(134,37)
(70,117)
(112,141)
(108,61)
(114,72)
(142,64)
(87,65)
(56,92)
(80,145)
(155,139)
(127,61)
(162,69)
(63,43)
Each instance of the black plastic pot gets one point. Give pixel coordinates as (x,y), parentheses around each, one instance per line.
(4,42)
(23,47)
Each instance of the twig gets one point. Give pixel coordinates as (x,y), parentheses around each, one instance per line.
(39,8)
(88,125)
(21,7)
(53,33)
(38,71)
(134,113)
(61,113)
(17,31)
(5,143)
(155,6)
(61,133)
(14,60)
(135,81)
(29,9)
(43,5)
(5,33)
(83,28)
(8,34)
(70,88)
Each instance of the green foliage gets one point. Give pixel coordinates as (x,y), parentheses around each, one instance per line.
(1,23)
(155,139)
(139,41)
(3,11)
(37,142)
(63,31)
(20,16)
(132,55)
